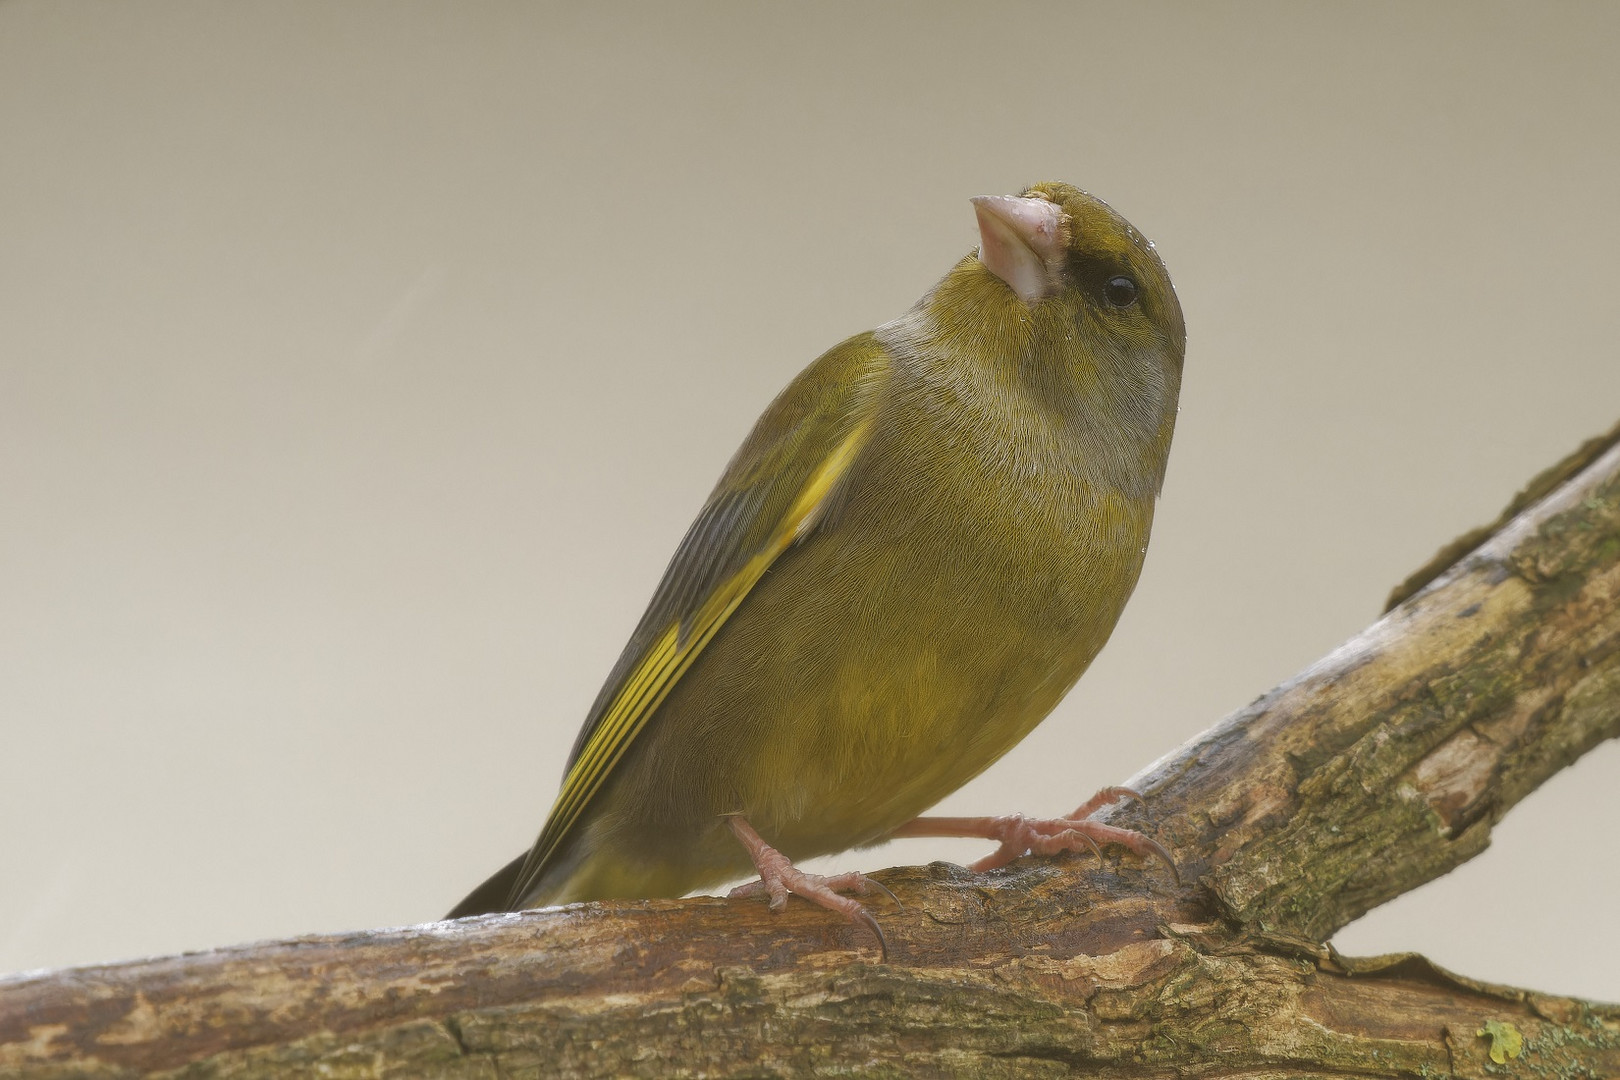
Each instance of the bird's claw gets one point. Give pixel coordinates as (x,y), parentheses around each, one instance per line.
(1107,796)
(1019,835)
(778,878)
(787,879)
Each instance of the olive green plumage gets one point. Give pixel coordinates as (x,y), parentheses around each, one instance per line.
(919,548)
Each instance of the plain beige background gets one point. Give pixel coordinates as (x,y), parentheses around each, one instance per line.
(361,364)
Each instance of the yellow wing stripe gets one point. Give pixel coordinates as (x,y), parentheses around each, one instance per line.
(665,662)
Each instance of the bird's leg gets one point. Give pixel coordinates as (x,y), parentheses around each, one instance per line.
(1018,834)
(778,877)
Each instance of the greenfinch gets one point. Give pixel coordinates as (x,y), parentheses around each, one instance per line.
(922,544)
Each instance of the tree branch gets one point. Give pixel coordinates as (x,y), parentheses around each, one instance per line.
(1386,763)
(1380,767)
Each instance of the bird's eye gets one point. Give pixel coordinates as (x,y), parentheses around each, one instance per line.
(1120,291)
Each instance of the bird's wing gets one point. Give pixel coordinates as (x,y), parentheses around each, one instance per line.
(776,490)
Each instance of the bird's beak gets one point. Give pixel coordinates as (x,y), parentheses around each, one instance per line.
(1022,240)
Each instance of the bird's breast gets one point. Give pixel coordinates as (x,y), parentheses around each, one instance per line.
(964,585)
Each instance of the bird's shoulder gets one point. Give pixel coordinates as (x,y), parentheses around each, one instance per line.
(777,487)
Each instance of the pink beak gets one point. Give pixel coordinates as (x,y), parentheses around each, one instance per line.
(1022,241)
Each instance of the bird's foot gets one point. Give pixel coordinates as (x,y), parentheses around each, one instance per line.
(778,877)
(1018,835)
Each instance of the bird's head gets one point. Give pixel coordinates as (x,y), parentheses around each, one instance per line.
(1066,304)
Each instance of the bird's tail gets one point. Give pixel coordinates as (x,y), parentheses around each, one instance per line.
(494,894)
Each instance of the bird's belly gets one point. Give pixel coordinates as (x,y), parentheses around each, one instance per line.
(916,699)
(842,700)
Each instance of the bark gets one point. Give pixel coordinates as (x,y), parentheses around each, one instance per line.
(1381,767)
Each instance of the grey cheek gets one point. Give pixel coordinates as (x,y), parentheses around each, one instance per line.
(1144,399)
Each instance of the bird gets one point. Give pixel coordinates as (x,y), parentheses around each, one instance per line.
(919,548)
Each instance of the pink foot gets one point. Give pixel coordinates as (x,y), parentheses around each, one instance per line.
(1018,835)
(778,877)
